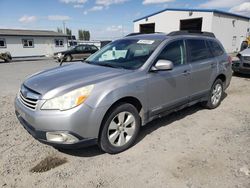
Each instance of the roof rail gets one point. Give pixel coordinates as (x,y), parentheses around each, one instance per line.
(187,32)
(134,34)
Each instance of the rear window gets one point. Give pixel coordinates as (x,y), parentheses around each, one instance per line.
(198,50)
(216,49)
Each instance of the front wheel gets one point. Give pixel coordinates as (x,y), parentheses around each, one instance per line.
(215,95)
(120,129)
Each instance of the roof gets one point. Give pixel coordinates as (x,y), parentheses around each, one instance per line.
(20,32)
(152,36)
(195,10)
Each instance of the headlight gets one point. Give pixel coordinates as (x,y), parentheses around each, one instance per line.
(69,100)
(59,54)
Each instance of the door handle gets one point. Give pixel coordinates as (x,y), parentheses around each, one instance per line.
(186,72)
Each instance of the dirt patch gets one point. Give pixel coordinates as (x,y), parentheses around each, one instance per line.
(48,163)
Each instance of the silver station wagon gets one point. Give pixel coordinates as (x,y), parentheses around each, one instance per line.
(128,83)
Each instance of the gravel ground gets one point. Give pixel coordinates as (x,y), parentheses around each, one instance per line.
(192,148)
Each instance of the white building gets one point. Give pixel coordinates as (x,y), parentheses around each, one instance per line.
(230,29)
(26,43)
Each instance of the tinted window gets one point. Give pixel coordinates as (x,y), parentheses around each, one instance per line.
(174,52)
(216,49)
(198,50)
(80,48)
(28,43)
(93,48)
(2,43)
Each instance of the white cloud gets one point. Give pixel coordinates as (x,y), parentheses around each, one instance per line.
(96,8)
(58,18)
(109,2)
(115,28)
(27,19)
(147,2)
(243,9)
(73,1)
(93,9)
(78,6)
(221,3)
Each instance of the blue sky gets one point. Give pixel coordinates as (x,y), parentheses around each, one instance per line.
(104,18)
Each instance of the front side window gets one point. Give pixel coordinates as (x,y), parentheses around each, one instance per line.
(28,43)
(93,48)
(125,53)
(198,50)
(59,42)
(174,52)
(81,48)
(2,43)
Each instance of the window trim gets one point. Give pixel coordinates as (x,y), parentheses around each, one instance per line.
(28,39)
(4,41)
(59,46)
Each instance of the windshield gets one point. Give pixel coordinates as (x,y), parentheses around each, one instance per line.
(126,53)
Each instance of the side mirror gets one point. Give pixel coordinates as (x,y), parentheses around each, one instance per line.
(163,65)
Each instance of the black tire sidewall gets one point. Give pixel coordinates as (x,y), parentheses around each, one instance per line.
(104,143)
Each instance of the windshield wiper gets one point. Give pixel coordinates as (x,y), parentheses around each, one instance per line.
(107,65)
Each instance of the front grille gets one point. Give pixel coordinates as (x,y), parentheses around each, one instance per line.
(28,97)
(30,103)
(246,65)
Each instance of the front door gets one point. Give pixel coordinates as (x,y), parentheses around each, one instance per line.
(169,89)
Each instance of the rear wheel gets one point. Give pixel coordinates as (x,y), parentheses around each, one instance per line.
(215,95)
(120,129)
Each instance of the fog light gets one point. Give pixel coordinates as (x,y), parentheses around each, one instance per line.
(61,137)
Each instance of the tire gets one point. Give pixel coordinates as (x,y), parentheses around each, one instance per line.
(116,135)
(68,58)
(215,95)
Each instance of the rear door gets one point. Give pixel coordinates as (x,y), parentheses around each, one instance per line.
(203,64)
(169,89)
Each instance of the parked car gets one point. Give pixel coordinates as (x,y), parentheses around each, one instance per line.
(241,63)
(122,87)
(80,52)
(6,57)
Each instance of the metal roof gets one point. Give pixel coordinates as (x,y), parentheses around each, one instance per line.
(195,10)
(20,32)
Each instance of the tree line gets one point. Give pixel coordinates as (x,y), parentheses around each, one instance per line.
(82,34)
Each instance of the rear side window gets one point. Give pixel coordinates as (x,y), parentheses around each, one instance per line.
(174,52)
(216,49)
(198,50)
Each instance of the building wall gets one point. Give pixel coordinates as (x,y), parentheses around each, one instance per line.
(169,21)
(230,30)
(42,46)
(220,25)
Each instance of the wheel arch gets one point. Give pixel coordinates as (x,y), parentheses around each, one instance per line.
(128,99)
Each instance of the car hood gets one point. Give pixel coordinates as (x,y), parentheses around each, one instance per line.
(245,52)
(54,81)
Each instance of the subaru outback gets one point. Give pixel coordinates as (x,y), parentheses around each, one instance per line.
(128,83)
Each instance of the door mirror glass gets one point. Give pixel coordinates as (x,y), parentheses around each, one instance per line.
(163,65)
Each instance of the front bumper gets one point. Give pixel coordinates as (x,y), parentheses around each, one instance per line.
(41,136)
(82,122)
(241,67)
